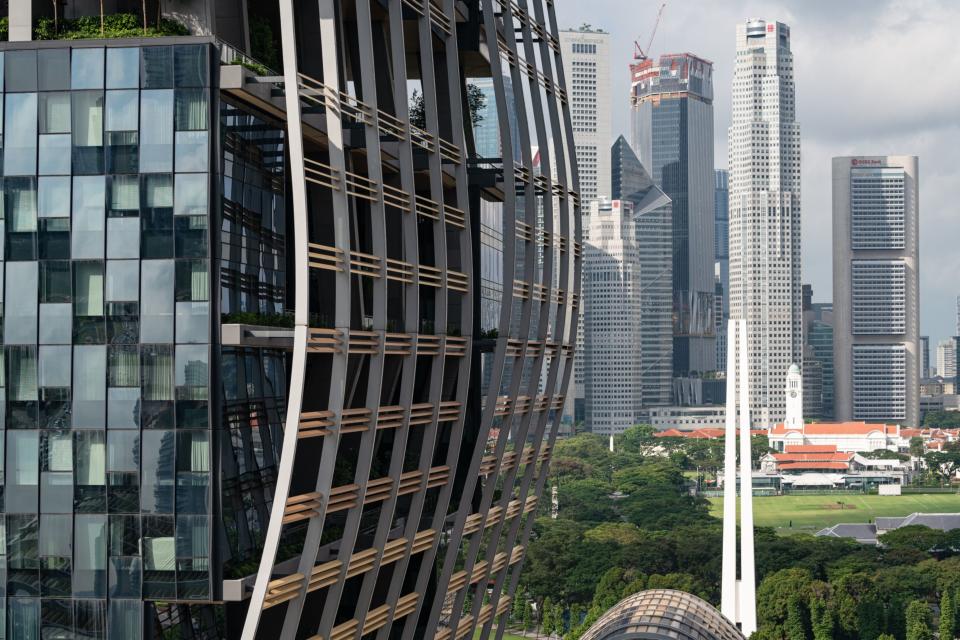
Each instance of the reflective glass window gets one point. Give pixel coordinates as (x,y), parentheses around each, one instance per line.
(157,472)
(54,366)
(88,288)
(20,204)
(157,372)
(53,69)
(86,69)
(55,112)
(90,556)
(55,155)
(56,326)
(156,67)
(190,194)
(156,131)
(192,153)
(87,132)
(123,68)
(124,196)
(55,281)
(123,237)
(54,197)
(20,134)
(191,64)
(20,310)
(156,311)
(20,70)
(122,110)
(89,201)
(123,280)
(191,372)
(23,471)
(125,619)
(89,386)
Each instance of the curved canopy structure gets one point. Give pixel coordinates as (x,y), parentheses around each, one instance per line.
(663,613)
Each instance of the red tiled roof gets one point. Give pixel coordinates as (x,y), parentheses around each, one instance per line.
(837,428)
(811,448)
(813,457)
(669,433)
(839,466)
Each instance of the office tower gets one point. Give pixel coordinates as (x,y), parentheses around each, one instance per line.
(947,358)
(721,244)
(586,65)
(720,315)
(672,133)
(819,348)
(613,389)
(265,349)
(653,238)
(487,131)
(764,165)
(924,356)
(876,302)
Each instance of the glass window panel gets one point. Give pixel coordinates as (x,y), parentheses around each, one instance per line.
(193,322)
(156,310)
(89,202)
(55,366)
(190,194)
(87,118)
(123,280)
(191,110)
(55,535)
(56,491)
(88,288)
(123,151)
(191,151)
(54,238)
(125,582)
(124,619)
(90,556)
(21,365)
(191,372)
(157,67)
(58,451)
(86,69)
(20,70)
(89,386)
(156,131)
(53,69)
(20,134)
(123,68)
(91,616)
(122,110)
(191,236)
(124,196)
(123,237)
(90,458)
(157,471)
(123,406)
(190,65)
(158,191)
(54,197)
(192,280)
(23,620)
(55,112)
(56,323)
(55,281)
(124,366)
(55,154)
(20,310)
(123,453)
(23,471)
(157,365)
(192,540)
(20,204)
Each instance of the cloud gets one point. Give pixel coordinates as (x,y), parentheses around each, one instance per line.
(872,77)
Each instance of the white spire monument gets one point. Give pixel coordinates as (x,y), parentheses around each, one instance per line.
(738,598)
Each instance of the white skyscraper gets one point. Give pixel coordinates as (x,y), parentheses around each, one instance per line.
(586,67)
(876,299)
(947,358)
(764,165)
(611,319)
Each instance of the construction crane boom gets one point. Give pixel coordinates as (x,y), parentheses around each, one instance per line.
(643,53)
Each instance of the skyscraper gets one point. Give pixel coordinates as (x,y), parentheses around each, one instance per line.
(586,65)
(876,289)
(265,350)
(654,229)
(672,134)
(924,356)
(613,389)
(764,165)
(947,358)
(721,244)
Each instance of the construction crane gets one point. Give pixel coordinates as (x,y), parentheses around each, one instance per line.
(642,54)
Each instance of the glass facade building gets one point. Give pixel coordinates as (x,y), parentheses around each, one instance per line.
(281,358)
(672,135)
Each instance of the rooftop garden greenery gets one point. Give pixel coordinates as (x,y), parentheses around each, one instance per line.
(117,25)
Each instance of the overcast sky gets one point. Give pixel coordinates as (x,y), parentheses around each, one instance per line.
(872,76)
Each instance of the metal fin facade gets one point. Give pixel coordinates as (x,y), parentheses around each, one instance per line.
(435,293)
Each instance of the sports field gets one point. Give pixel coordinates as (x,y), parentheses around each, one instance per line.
(810,513)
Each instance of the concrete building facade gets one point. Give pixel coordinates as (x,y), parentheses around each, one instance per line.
(764,166)
(876,289)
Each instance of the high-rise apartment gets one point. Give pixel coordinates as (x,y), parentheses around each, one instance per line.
(924,356)
(947,358)
(876,302)
(764,166)
(721,252)
(611,319)
(270,327)
(672,133)
(653,234)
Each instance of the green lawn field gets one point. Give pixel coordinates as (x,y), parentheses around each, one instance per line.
(506,635)
(810,513)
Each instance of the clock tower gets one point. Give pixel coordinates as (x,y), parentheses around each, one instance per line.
(794,397)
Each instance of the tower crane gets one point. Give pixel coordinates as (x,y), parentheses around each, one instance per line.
(642,53)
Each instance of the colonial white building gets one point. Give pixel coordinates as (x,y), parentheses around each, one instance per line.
(764,165)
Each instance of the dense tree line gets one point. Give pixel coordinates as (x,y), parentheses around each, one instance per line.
(627,521)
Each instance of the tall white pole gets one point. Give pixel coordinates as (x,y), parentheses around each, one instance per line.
(748,584)
(728,583)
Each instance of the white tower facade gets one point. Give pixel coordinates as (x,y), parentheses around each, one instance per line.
(738,598)
(793,397)
(764,165)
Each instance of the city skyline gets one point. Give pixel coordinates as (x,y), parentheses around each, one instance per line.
(866,45)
